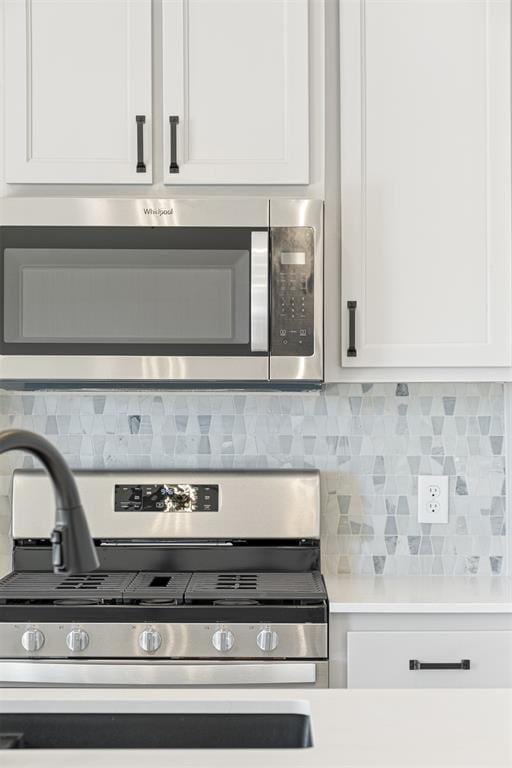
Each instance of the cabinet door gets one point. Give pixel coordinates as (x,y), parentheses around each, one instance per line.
(235,96)
(425,182)
(429,659)
(78,73)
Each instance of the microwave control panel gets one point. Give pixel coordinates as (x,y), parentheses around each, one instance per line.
(292,320)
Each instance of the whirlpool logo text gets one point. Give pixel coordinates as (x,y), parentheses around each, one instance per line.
(158,211)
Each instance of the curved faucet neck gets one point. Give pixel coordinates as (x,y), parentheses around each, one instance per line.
(73,548)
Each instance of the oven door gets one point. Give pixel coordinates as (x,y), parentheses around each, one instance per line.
(134,303)
(171,674)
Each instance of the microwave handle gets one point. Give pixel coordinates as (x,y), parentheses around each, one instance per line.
(259,292)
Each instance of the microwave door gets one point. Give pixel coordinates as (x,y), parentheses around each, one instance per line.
(134,304)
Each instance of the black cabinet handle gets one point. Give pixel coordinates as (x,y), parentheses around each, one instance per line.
(174,167)
(352,351)
(415,665)
(141,166)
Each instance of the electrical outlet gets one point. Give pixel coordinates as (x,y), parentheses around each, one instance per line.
(433,499)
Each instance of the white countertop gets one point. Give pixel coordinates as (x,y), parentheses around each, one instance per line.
(435,728)
(419,594)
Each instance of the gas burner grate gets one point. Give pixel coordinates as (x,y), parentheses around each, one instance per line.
(236,581)
(156,586)
(255,586)
(39,586)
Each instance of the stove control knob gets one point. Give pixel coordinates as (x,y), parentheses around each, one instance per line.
(223,640)
(32,640)
(150,640)
(77,640)
(267,640)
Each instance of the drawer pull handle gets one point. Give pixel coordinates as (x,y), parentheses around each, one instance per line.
(351,306)
(417,666)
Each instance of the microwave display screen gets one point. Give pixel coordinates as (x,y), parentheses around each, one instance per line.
(293,258)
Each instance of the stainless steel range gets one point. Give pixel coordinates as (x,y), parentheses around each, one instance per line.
(206,578)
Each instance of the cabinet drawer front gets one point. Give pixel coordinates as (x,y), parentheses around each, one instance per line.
(429,659)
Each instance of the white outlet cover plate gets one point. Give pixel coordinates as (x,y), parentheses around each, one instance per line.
(433,488)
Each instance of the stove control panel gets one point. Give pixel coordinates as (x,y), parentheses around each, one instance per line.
(167,498)
(161,640)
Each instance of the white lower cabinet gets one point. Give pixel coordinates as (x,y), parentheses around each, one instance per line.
(429,659)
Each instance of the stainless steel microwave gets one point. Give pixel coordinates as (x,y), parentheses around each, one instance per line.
(132,290)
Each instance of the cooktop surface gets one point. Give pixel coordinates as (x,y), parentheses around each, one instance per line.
(143,587)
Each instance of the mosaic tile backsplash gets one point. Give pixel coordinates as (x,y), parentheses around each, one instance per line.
(370,442)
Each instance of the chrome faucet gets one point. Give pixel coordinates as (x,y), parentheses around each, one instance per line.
(73,550)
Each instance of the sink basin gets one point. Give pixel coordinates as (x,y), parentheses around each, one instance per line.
(191,730)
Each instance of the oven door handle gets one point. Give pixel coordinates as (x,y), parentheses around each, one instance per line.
(259,292)
(149,673)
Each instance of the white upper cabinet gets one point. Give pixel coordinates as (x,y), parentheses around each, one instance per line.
(78,76)
(235,79)
(425,182)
